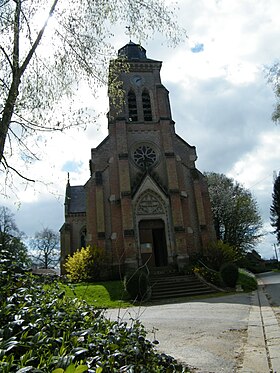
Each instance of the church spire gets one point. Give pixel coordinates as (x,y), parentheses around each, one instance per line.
(132,51)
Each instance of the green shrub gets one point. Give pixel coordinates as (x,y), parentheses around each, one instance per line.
(229,274)
(219,253)
(213,277)
(85,264)
(42,330)
(137,285)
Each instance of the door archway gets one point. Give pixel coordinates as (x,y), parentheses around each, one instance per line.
(153,242)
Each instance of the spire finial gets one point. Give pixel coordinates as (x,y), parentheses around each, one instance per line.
(128,32)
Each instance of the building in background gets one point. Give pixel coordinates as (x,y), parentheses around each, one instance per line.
(145,200)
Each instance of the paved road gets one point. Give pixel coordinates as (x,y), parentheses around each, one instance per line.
(271,281)
(208,335)
(233,333)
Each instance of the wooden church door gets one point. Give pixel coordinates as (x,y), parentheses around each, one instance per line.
(153,243)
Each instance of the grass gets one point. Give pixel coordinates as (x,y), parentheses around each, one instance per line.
(109,294)
(247,280)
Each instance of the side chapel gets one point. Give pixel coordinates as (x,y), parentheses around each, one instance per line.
(145,201)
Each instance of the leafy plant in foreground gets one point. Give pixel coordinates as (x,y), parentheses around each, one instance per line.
(42,330)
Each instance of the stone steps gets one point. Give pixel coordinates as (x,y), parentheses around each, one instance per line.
(173,285)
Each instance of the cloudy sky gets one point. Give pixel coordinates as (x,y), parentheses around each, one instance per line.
(220,100)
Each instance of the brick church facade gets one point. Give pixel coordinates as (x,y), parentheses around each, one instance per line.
(145,201)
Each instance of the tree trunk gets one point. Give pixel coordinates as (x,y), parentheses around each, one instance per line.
(8,113)
(18,71)
(46,261)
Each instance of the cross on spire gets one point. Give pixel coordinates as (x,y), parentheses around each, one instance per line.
(128,31)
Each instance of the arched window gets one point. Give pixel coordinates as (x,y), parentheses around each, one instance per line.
(83,235)
(132,106)
(146,101)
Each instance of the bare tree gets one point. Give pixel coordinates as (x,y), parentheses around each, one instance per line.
(12,247)
(47,48)
(45,248)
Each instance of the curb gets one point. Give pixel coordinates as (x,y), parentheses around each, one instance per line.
(262,353)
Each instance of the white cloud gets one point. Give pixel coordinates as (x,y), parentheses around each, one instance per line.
(257,166)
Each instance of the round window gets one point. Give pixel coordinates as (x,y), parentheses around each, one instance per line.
(145,157)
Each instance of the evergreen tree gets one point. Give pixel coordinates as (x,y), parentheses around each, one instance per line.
(275,208)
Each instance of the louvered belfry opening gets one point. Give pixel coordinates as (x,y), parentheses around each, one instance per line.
(132,106)
(147,110)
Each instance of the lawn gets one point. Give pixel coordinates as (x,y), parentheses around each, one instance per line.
(247,280)
(109,294)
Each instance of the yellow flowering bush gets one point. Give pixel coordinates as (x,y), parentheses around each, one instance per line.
(85,264)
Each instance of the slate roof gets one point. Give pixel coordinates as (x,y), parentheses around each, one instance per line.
(132,51)
(75,199)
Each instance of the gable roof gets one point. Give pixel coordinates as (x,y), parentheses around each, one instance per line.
(75,199)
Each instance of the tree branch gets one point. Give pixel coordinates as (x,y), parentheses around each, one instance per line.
(23,144)
(4,3)
(7,57)
(83,61)
(38,39)
(15,63)
(6,165)
(4,84)
(32,126)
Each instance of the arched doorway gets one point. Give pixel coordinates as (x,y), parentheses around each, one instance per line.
(153,242)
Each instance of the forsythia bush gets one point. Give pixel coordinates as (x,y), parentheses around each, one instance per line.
(85,264)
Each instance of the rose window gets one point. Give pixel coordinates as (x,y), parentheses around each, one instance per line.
(144,157)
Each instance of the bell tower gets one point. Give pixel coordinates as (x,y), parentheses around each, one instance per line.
(146,98)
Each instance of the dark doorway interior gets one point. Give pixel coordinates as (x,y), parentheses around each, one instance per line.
(153,232)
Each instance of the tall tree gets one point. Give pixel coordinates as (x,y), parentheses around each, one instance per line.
(275,208)
(235,212)
(45,246)
(12,247)
(47,48)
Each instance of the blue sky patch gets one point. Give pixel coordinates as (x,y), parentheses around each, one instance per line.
(199,47)
(71,166)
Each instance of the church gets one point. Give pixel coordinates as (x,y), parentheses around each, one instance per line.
(145,202)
